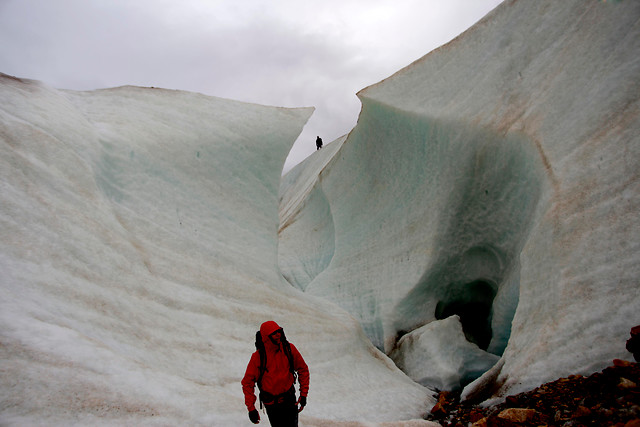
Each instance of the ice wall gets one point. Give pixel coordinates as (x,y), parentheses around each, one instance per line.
(495,179)
(311,235)
(138,231)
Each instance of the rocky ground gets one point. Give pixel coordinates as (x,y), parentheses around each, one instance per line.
(607,398)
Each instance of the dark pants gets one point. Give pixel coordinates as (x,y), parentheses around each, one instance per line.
(283,412)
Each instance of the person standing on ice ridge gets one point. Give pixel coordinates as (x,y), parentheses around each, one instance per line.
(318,143)
(274,367)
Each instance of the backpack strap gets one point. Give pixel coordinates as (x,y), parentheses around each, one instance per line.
(287,351)
(263,363)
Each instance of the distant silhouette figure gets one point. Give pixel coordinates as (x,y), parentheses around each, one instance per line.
(318,143)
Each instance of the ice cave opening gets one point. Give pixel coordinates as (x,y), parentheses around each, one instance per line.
(474,308)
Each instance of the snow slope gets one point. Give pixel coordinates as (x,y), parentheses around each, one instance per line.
(139,257)
(495,179)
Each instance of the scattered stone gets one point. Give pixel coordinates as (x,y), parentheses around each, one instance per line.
(445,400)
(581,412)
(607,398)
(618,363)
(625,383)
(518,415)
(438,410)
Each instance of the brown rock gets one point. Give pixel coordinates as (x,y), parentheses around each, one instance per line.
(621,363)
(441,407)
(511,400)
(475,415)
(633,423)
(518,415)
(626,384)
(581,412)
(480,423)
(494,421)
(438,409)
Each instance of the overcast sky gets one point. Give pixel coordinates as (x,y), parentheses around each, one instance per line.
(290,53)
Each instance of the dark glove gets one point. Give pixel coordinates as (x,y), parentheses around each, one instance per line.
(254,416)
(303,402)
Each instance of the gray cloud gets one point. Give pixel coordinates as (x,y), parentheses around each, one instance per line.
(282,52)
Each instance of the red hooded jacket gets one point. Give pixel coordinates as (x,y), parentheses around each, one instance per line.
(277,378)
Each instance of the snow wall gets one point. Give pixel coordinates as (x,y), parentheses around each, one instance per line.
(495,180)
(139,257)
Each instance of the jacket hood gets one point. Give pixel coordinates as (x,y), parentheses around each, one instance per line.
(267,328)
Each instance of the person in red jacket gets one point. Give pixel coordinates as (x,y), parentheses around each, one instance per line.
(275,377)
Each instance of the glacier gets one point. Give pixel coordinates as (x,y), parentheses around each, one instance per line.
(494,179)
(477,230)
(139,257)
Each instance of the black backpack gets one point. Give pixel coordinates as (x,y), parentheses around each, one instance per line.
(263,360)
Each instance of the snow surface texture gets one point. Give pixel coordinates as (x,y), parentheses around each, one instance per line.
(139,257)
(496,179)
